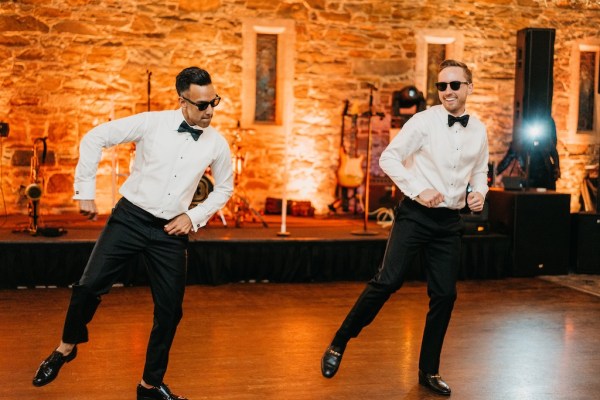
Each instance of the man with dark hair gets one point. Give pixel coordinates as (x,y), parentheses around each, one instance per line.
(433,158)
(173,150)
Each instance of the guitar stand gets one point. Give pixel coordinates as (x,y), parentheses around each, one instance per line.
(344,201)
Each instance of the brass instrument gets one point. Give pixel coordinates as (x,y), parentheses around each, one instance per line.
(34,190)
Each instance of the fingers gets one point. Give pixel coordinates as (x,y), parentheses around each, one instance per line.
(171,229)
(438,198)
(430,198)
(88,209)
(91,215)
(421,201)
(434,201)
(175,230)
(475,202)
(180,225)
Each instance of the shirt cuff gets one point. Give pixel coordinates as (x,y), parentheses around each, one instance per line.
(414,189)
(198,221)
(85,190)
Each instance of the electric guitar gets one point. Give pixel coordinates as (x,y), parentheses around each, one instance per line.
(350,173)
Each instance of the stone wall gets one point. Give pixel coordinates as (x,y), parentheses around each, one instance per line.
(67,65)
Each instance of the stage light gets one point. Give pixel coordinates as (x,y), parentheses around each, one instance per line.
(407,97)
(538,146)
(534,131)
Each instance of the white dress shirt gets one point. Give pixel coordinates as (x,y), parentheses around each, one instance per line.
(428,154)
(168,165)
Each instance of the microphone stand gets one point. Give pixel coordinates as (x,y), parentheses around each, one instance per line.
(365,231)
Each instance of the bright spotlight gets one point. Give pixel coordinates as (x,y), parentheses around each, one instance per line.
(534,131)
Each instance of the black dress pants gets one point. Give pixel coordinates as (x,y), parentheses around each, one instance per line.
(130,231)
(436,231)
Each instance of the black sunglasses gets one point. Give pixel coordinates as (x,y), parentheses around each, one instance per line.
(203,105)
(454,85)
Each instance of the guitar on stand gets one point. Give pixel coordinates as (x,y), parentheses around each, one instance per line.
(350,174)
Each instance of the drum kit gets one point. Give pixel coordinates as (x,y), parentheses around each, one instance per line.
(238,208)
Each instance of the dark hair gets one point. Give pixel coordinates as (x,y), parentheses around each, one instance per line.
(454,63)
(191,76)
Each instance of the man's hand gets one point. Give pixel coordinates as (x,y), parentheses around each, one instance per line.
(429,198)
(475,201)
(88,208)
(180,225)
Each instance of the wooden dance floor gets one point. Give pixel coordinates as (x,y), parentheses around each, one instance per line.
(510,339)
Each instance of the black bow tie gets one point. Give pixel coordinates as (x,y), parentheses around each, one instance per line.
(184,127)
(464,120)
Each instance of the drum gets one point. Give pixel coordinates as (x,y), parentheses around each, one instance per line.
(205,186)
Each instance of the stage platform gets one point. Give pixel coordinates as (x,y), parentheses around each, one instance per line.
(318,249)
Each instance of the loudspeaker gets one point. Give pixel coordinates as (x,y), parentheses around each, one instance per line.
(539,224)
(585,243)
(533,76)
(383,193)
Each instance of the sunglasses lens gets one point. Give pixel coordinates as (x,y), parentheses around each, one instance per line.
(203,105)
(455,85)
(441,86)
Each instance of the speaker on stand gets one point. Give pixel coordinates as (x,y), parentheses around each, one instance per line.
(534,79)
(534,131)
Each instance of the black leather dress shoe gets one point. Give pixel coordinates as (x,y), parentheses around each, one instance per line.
(48,369)
(161,392)
(330,362)
(434,383)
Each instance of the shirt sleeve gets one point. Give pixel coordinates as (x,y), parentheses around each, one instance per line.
(124,130)
(222,172)
(398,153)
(479,175)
